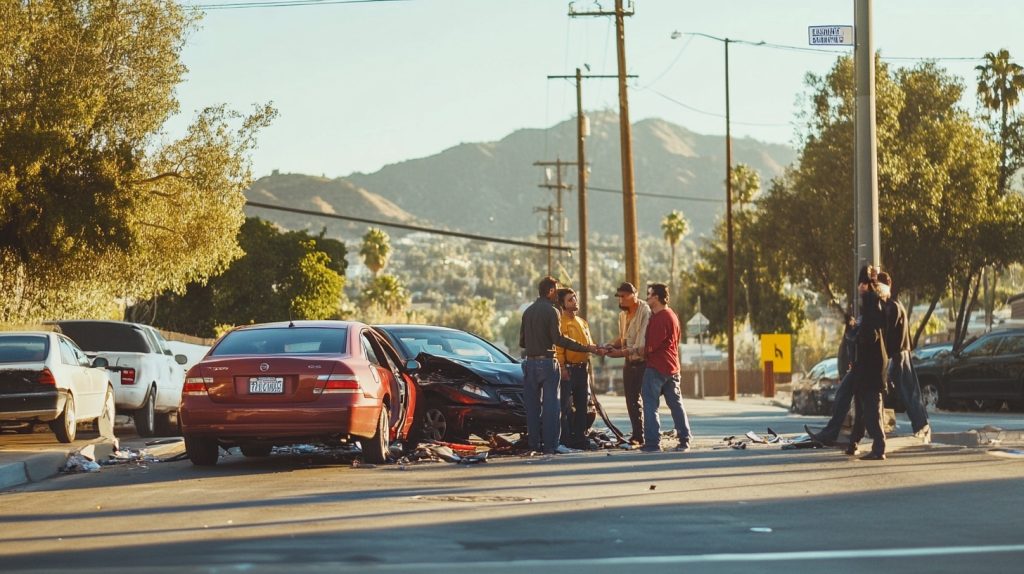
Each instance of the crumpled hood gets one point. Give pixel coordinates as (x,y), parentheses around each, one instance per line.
(450,370)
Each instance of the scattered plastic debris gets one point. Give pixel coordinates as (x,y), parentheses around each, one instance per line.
(653,486)
(79,463)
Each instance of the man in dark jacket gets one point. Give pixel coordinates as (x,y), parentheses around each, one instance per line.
(869,370)
(901,371)
(538,335)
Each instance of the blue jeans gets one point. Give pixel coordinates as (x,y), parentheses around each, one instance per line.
(903,375)
(541,382)
(656,384)
(574,406)
(841,406)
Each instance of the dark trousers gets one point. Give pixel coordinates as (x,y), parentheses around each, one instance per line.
(869,418)
(903,375)
(632,382)
(574,406)
(841,406)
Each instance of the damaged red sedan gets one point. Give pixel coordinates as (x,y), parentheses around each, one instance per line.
(276,384)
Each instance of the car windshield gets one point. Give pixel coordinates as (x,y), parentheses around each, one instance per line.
(96,337)
(284,341)
(444,343)
(23,348)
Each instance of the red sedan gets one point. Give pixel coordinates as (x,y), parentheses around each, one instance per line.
(276,384)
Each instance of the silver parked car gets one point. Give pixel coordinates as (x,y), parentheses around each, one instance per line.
(46,377)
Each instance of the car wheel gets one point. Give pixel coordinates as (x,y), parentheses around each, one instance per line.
(376,449)
(256,450)
(931,396)
(145,417)
(105,423)
(166,424)
(437,425)
(66,425)
(202,450)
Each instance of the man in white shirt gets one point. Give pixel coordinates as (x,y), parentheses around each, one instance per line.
(633,319)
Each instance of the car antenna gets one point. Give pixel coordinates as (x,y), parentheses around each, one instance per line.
(291,322)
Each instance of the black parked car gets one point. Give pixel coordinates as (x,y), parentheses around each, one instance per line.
(982,376)
(816,392)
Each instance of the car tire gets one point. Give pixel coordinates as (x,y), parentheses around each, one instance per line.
(202,450)
(145,417)
(65,426)
(104,424)
(375,450)
(256,450)
(166,424)
(438,426)
(932,396)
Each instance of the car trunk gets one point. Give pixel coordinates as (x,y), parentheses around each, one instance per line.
(21,378)
(263,380)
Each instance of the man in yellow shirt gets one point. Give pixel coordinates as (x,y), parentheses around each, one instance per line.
(575,372)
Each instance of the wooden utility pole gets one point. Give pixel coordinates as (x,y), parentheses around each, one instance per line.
(548,234)
(730,271)
(581,174)
(632,255)
(559,187)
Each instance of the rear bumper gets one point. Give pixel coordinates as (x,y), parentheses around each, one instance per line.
(41,406)
(201,417)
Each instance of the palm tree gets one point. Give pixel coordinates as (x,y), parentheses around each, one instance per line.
(376,250)
(1000,84)
(386,292)
(674,227)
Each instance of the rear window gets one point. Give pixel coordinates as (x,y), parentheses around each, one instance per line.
(109,337)
(23,348)
(284,341)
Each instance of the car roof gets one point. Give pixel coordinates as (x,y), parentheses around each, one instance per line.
(302,323)
(400,326)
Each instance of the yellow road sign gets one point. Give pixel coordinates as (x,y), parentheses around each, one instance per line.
(778,349)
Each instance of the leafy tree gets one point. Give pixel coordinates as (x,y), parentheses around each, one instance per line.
(281,276)
(941,218)
(476,317)
(673,227)
(386,293)
(93,204)
(375,250)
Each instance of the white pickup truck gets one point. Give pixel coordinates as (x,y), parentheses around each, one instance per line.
(146,376)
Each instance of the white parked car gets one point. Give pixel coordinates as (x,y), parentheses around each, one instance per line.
(46,377)
(146,375)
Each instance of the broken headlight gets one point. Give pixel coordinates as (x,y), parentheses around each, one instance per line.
(475,390)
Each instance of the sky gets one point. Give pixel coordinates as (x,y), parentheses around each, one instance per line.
(360,85)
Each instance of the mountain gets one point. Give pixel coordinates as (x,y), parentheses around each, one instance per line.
(492,188)
(328,196)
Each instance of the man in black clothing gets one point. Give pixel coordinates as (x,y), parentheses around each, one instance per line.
(869,368)
(538,335)
(901,371)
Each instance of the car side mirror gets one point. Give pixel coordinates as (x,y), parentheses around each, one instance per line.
(412,365)
(100,363)
(180,359)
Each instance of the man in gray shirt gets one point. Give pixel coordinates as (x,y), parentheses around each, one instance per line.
(538,335)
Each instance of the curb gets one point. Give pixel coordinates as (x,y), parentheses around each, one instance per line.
(33,468)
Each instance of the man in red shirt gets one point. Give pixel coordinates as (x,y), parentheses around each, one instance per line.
(662,374)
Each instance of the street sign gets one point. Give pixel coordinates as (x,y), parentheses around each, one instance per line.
(830,36)
(697,325)
(778,349)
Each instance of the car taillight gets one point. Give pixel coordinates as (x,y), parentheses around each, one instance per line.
(46,378)
(340,384)
(127,376)
(196,385)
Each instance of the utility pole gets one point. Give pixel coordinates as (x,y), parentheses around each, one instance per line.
(559,187)
(632,255)
(731,271)
(581,173)
(867,241)
(548,234)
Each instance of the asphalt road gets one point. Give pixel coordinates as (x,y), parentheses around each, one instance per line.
(714,509)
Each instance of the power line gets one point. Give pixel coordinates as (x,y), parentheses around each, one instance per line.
(282,4)
(659,195)
(406,226)
(831,51)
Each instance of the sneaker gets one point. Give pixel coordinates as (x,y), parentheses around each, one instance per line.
(562,449)
(924,433)
(685,447)
(873,456)
(650,449)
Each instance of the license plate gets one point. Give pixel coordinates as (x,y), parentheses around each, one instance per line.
(266,385)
